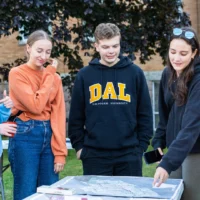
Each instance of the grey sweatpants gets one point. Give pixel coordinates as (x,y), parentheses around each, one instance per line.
(190,173)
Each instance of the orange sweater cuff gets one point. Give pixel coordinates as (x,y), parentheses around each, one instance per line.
(60,159)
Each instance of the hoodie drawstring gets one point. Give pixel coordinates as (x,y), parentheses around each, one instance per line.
(115,79)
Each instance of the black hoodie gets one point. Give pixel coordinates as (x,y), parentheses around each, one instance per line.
(179,126)
(110,107)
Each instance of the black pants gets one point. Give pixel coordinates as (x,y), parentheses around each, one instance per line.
(111,163)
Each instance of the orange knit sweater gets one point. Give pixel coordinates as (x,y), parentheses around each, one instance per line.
(39,94)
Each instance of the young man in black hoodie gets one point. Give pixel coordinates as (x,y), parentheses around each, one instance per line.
(110,121)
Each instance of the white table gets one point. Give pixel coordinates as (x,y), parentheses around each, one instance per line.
(5,144)
(135,188)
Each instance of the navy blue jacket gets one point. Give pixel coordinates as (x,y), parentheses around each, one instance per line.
(110,107)
(179,126)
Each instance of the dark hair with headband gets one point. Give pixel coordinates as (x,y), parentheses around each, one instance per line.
(188,34)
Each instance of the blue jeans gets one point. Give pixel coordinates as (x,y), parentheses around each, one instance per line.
(31,157)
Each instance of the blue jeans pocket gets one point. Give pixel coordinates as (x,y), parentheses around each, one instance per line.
(23,127)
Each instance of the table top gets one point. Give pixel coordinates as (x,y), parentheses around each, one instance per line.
(114,188)
(5,144)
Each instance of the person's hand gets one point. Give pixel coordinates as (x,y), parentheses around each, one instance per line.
(53,62)
(7,129)
(58,167)
(161,153)
(160,176)
(78,154)
(8,103)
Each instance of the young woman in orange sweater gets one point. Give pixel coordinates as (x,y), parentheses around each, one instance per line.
(37,152)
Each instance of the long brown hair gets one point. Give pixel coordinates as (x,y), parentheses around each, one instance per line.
(181,90)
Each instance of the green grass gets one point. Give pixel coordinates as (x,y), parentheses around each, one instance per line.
(73,167)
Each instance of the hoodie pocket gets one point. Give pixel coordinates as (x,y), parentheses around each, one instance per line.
(111,135)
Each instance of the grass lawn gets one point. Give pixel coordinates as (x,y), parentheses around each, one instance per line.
(72,168)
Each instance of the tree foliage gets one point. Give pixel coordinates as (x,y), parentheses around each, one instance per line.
(145,24)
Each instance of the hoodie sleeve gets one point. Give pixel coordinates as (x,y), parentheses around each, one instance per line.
(77,114)
(58,124)
(159,139)
(144,113)
(187,136)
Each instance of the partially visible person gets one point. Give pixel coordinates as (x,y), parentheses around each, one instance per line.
(38,151)
(179,125)
(110,120)
(5,110)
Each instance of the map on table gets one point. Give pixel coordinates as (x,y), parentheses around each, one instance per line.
(114,187)
(120,186)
